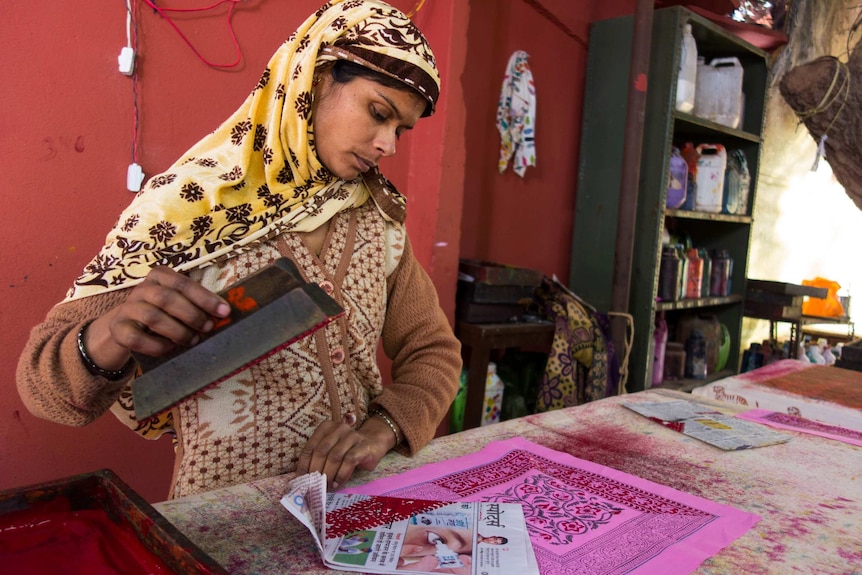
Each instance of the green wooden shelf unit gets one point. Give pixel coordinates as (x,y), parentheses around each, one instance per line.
(601,167)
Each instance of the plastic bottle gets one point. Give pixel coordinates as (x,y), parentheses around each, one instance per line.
(802,353)
(660,335)
(695,355)
(691,157)
(683,274)
(746,357)
(493,396)
(668,274)
(719,277)
(752,358)
(677,180)
(766,348)
(687,75)
(728,284)
(706,271)
(828,356)
(814,355)
(456,414)
(693,284)
(737,182)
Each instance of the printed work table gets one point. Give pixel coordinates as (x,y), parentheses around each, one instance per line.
(807,525)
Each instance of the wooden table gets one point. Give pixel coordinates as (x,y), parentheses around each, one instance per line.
(808,491)
(479,339)
(779,302)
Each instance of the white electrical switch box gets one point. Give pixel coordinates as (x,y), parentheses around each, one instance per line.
(126,61)
(134,178)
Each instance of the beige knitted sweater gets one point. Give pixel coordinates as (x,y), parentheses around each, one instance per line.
(254,424)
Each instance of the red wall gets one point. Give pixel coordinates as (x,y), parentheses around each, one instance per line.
(66,136)
(506,218)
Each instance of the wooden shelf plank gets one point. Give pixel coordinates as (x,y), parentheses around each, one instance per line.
(698,303)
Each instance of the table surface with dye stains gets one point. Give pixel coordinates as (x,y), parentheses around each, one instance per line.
(808,491)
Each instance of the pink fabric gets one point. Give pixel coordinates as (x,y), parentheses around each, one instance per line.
(582,517)
(802,425)
(769,387)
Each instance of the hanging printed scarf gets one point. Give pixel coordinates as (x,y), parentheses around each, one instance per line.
(516,116)
(582,365)
(258,174)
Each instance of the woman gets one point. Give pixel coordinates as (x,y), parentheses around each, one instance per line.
(291,173)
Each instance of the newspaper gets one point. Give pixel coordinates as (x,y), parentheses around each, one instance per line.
(378,534)
(699,421)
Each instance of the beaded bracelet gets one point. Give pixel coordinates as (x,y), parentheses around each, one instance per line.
(91,365)
(382,415)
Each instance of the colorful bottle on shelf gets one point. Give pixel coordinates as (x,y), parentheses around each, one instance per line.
(677,180)
(722,267)
(691,157)
(693,284)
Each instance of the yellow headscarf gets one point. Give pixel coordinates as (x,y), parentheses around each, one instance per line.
(258,174)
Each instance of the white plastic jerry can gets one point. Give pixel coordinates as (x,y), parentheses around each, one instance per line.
(718,93)
(711,165)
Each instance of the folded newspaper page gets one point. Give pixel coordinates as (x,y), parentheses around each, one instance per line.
(378,534)
(703,423)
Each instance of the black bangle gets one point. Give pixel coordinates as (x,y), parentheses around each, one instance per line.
(91,365)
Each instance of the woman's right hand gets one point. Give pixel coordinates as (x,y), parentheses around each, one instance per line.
(165,311)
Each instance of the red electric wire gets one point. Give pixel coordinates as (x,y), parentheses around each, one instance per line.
(131,7)
(163,13)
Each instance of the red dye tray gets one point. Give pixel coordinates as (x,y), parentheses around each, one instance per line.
(100,524)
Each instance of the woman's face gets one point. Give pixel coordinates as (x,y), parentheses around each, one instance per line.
(357,123)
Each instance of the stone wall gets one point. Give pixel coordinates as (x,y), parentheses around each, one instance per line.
(805,223)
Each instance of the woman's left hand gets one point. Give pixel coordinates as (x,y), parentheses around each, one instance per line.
(336,450)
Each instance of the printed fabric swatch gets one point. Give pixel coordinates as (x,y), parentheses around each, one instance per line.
(802,425)
(516,115)
(582,517)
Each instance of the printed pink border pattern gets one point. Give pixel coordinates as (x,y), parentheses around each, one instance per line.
(582,517)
